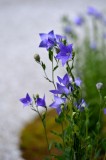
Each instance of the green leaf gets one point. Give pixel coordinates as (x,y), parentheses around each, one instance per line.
(43,66)
(58,146)
(50,145)
(55,68)
(56,133)
(51,55)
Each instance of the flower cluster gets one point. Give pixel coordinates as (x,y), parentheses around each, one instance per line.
(66,86)
(69,102)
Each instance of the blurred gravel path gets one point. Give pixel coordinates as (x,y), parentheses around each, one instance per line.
(20,23)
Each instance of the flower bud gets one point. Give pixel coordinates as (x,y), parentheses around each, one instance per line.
(99,86)
(37,57)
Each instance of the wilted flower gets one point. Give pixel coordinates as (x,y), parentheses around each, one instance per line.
(27,100)
(99,85)
(58,102)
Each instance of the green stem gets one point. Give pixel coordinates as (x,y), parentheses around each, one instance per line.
(69,69)
(100,105)
(53,75)
(87,118)
(44,126)
(63,135)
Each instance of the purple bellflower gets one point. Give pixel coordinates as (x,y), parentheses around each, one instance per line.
(27,100)
(65,53)
(104,110)
(92,11)
(79,20)
(78,81)
(48,40)
(41,102)
(104,35)
(68,29)
(81,105)
(65,81)
(65,88)
(59,38)
(58,102)
(61,90)
(93,46)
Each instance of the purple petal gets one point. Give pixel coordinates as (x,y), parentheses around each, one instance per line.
(78,81)
(43,43)
(62,89)
(54,91)
(59,79)
(41,102)
(43,36)
(58,110)
(66,79)
(51,34)
(24,101)
(27,100)
(104,110)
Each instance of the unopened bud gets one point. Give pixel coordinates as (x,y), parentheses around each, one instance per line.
(62,106)
(37,57)
(99,85)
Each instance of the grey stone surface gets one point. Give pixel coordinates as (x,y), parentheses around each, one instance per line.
(20,23)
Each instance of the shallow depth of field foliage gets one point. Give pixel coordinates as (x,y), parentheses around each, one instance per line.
(79,97)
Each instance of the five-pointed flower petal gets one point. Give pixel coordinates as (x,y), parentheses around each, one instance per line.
(48,40)
(41,102)
(61,90)
(27,100)
(58,102)
(65,80)
(65,53)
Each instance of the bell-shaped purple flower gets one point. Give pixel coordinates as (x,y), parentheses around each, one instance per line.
(60,38)
(58,102)
(94,12)
(78,81)
(79,20)
(65,81)
(27,100)
(81,105)
(93,45)
(65,53)
(68,29)
(41,102)
(61,90)
(104,110)
(48,40)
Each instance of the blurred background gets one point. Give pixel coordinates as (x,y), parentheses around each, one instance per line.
(21,21)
